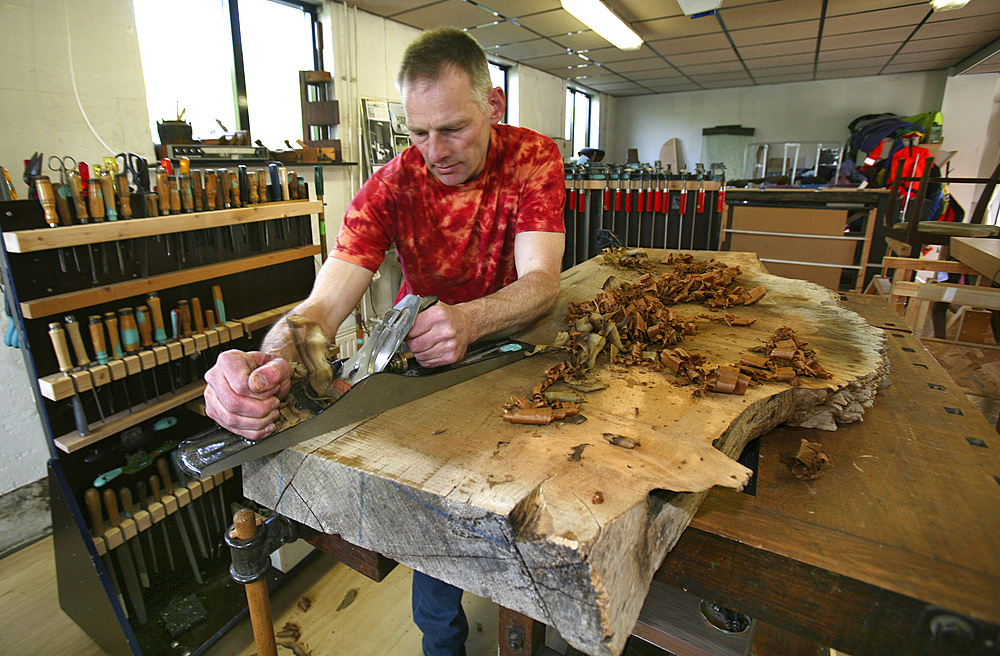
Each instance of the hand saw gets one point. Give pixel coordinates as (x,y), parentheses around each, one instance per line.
(374,380)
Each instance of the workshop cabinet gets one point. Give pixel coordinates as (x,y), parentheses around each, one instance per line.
(155,579)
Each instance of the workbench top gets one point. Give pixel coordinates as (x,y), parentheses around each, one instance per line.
(554,521)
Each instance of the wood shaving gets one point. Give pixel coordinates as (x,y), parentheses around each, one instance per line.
(808,463)
(623,441)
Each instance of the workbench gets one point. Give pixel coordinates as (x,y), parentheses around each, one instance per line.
(904,522)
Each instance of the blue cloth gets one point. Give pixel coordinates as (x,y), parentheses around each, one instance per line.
(438,613)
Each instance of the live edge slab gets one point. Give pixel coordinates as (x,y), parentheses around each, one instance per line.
(554,521)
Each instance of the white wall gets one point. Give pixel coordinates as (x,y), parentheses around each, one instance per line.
(801,111)
(972,130)
(41,114)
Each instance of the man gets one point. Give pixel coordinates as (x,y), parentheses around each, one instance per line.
(474,210)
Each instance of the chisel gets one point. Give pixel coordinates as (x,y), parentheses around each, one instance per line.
(154,486)
(140,491)
(93,500)
(198,190)
(125,559)
(155,310)
(134,542)
(95,204)
(196,523)
(103,356)
(130,342)
(59,343)
(220,307)
(145,327)
(168,487)
(108,193)
(47,198)
(111,323)
(82,357)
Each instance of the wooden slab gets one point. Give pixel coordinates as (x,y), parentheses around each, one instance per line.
(444,486)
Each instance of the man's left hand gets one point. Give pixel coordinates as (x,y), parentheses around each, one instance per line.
(440,335)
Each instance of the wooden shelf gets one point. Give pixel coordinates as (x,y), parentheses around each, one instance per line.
(43,239)
(71,301)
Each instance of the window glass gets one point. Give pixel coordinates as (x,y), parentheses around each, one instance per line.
(200,80)
(277,44)
(578,120)
(498,75)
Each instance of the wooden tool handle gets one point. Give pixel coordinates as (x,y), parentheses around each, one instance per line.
(175,323)
(47,197)
(261,186)
(93,500)
(210,318)
(234,187)
(283,180)
(111,323)
(220,307)
(108,193)
(82,357)
(184,165)
(156,311)
(252,188)
(151,202)
(124,196)
(76,189)
(164,469)
(145,329)
(187,199)
(199,205)
(224,187)
(211,189)
(126,498)
(175,195)
(293,185)
(61,346)
(130,332)
(111,505)
(154,487)
(96,199)
(140,491)
(245,527)
(62,204)
(185,309)
(163,190)
(97,338)
(199,323)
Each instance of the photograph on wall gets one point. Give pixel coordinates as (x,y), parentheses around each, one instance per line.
(385,134)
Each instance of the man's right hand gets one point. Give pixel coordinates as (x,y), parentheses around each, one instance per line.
(243,392)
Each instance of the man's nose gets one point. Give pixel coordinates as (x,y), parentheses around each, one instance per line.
(438,150)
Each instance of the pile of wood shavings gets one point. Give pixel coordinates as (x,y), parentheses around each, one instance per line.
(544,407)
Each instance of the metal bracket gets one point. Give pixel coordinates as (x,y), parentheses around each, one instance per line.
(251,558)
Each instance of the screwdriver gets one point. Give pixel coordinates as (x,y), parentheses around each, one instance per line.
(58,337)
(82,357)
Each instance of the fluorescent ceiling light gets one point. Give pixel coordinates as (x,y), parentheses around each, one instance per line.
(945,5)
(599,18)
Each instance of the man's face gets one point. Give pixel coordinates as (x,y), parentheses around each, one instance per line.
(449,128)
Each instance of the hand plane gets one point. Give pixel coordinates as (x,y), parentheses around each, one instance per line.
(375,379)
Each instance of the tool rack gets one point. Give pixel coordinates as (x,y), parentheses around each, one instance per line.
(642,208)
(248,265)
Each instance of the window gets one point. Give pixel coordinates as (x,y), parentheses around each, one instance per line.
(578,119)
(498,74)
(236,72)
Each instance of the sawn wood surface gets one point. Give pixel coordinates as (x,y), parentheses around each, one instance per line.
(443,485)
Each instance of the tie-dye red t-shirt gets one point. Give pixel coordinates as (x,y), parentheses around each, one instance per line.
(457,242)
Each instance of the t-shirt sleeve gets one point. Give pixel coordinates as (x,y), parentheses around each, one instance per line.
(541,205)
(367,230)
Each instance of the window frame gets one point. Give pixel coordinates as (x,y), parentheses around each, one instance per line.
(506,84)
(575,93)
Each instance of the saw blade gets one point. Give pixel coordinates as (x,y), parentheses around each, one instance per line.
(215,450)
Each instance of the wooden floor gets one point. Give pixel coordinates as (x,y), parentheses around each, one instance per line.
(376,623)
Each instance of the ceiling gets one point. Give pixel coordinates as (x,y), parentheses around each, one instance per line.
(746,42)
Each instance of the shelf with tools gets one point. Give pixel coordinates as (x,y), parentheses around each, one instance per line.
(118,322)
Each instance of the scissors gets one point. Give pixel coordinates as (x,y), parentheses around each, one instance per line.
(63,166)
(138,168)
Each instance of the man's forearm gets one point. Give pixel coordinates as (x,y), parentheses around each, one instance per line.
(514,307)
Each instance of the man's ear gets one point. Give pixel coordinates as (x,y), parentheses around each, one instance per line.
(497,103)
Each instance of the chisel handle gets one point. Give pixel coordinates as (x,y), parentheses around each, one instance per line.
(97,338)
(261,186)
(252,197)
(210,318)
(111,323)
(163,190)
(111,505)
(185,309)
(127,503)
(199,323)
(130,332)
(47,197)
(187,198)
(175,195)
(96,199)
(283,182)
(164,469)
(73,327)
(175,324)
(211,189)
(220,307)
(234,189)
(224,186)
(199,205)
(145,330)
(154,487)
(156,312)
(124,196)
(61,346)
(76,189)
(93,500)
(108,192)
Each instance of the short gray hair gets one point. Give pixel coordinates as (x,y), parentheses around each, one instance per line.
(435,51)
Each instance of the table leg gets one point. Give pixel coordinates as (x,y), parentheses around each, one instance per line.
(519,634)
